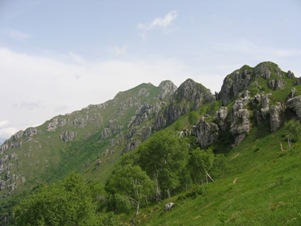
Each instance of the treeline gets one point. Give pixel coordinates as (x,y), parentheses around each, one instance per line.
(160,167)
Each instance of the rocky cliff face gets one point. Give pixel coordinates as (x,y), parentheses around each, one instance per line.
(207,133)
(253,92)
(242,79)
(189,96)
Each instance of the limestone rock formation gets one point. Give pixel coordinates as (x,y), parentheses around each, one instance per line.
(275,116)
(265,104)
(275,84)
(68,136)
(189,96)
(29,132)
(167,88)
(207,133)
(235,83)
(241,79)
(240,125)
(263,70)
(221,116)
(56,122)
(290,74)
(295,105)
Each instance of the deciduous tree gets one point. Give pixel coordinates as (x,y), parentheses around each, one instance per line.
(129,186)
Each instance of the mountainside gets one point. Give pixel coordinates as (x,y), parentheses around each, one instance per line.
(38,151)
(254,104)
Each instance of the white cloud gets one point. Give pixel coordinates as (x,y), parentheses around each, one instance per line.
(41,87)
(160,22)
(16,35)
(119,51)
(4,123)
(6,130)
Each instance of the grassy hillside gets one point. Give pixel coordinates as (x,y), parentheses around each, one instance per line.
(255,179)
(260,186)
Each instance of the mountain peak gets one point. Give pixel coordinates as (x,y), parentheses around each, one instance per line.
(166,87)
(191,90)
(272,78)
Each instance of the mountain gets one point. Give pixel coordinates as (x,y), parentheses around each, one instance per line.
(40,153)
(254,104)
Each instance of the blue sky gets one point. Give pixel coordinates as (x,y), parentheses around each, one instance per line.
(60,56)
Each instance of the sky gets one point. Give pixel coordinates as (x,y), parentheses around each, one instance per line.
(62,55)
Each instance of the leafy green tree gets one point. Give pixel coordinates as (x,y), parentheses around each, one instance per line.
(164,157)
(294,129)
(129,186)
(200,163)
(66,203)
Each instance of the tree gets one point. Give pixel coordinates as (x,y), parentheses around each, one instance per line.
(294,129)
(130,186)
(200,163)
(65,203)
(163,157)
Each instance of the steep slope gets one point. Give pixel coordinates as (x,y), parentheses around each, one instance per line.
(188,97)
(256,180)
(260,185)
(260,96)
(265,76)
(92,139)
(69,142)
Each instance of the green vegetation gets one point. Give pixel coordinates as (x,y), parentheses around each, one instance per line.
(66,203)
(256,182)
(260,186)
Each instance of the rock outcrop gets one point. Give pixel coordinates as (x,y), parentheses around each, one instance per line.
(275,116)
(207,133)
(275,84)
(241,79)
(56,122)
(167,88)
(220,117)
(67,136)
(235,83)
(295,105)
(240,125)
(189,96)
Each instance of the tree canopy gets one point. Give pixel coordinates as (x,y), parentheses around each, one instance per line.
(164,157)
(66,203)
(129,187)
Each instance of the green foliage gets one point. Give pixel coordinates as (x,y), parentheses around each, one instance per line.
(129,186)
(294,129)
(200,163)
(164,156)
(66,203)
(257,188)
(193,118)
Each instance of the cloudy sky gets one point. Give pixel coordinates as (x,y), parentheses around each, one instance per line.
(62,55)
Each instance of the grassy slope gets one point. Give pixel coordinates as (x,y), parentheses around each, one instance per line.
(266,192)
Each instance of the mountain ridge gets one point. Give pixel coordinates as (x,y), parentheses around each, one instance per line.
(252,102)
